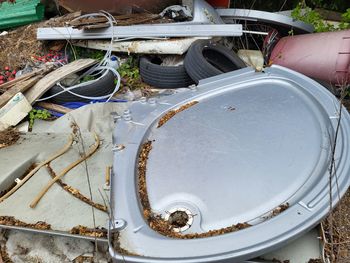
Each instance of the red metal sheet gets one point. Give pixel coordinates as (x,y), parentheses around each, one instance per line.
(219,3)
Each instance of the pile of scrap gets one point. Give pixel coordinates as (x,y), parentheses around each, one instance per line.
(19,94)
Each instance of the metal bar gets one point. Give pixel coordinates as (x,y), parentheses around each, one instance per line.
(255,32)
(53,233)
(141,31)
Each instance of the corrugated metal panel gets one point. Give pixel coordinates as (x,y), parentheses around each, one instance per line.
(20,13)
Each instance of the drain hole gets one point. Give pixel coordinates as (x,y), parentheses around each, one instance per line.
(178,219)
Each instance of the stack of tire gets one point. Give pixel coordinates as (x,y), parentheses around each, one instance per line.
(204,59)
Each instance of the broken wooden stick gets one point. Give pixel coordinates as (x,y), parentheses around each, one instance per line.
(54,107)
(65,171)
(75,192)
(28,176)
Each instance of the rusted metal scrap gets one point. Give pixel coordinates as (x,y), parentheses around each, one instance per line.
(116,6)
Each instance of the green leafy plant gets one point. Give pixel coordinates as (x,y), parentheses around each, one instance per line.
(345,24)
(129,69)
(130,73)
(81,52)
(38,115)
(87,78)
(306,14)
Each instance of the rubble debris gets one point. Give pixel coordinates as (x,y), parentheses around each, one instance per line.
(85,231)
(75,192)
(8,137)
(172,113)
(12,221)
(155,221)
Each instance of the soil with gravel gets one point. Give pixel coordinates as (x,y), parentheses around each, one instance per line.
(8,137)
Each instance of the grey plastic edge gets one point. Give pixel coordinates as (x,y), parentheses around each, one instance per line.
(267,17)
(295,221)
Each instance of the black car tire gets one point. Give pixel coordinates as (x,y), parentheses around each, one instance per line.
(104,86)
(163,77)
(206,59)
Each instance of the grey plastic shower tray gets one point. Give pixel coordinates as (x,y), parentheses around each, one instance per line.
(226,171)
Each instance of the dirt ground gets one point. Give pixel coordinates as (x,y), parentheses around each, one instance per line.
(8,137)
(20,45)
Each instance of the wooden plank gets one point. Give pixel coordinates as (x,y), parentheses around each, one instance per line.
(19,87)
(59,74)
(11,83)
(54,107)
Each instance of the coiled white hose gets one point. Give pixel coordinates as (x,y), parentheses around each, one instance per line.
(102,68)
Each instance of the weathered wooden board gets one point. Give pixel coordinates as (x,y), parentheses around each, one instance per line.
(53,77)
(19,87)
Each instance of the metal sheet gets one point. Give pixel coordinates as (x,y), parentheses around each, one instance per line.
(254,141)
(140,31)
(273,19)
